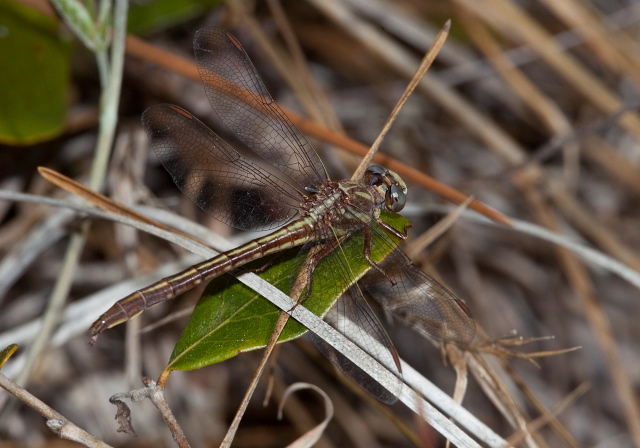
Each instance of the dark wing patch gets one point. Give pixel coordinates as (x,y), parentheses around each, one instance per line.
(210,172)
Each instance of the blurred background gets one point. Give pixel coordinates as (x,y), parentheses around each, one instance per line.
(531,107)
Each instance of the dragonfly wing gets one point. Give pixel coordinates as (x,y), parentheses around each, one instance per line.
(353,317)
(409,294)
(238,96)
(420,301)
(339,267)
(211,173)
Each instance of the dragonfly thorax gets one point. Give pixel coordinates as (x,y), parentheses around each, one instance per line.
(347,204)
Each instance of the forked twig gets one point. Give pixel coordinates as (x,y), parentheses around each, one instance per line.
(543,420)
(155,393)
(56,422)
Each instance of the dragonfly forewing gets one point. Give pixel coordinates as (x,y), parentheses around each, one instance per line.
(238,96)
(400,288)
(408,293)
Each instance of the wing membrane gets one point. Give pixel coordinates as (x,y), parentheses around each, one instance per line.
(419,301)
(237,191)
(243,103)
(351,315)
(411,295)
(211,173)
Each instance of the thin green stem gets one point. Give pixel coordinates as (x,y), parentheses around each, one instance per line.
(111,79)
(102,60)
(111,97)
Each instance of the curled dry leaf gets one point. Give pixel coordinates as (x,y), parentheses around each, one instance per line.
(123,416)
(313,435)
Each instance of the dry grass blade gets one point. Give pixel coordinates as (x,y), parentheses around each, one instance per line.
(531,107)
(242,408)
(562,432)
(606,157)
(546,110)
(609,47)
(510,17)
(20,257)
(296,293)
(598,319)
(434,232)
(310,438)
(488,376)
(101,201)
(299,78)
(583,220)
(348,349)
(538,423)
(588,254)
(426,62)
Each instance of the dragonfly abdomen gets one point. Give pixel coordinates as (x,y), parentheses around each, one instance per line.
(295,234)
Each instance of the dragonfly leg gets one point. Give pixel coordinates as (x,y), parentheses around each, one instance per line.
(366,251)
(317,254)
(390,229)
(305,274)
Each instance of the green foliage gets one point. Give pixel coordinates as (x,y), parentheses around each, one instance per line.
(231,318)
(6,353)
(34,75)
(151,16)
(80,18)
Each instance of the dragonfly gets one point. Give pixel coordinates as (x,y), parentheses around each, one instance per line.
(282,184)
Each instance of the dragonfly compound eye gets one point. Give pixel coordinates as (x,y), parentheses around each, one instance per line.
(374,175)
(377,169)
(395,198)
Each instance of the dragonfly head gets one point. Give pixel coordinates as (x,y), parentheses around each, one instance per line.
(389,184)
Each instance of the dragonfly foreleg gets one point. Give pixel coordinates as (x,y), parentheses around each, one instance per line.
(390,229)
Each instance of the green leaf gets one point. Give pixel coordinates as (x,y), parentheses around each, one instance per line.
(34,76)
(6,353)
(151,16)
(231,318)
